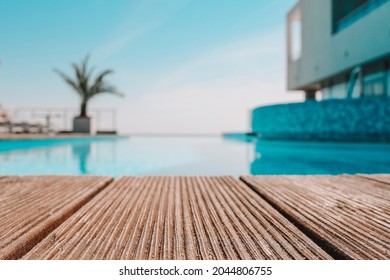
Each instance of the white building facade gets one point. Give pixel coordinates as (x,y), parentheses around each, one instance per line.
(339,49)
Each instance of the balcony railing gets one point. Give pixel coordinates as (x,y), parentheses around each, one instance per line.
(60,119)
(358,13)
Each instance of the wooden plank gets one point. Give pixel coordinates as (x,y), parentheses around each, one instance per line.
(384,178)
(376,185)
(177,218)
(345,214)
(32,206)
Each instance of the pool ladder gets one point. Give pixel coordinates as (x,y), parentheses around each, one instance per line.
(355,74)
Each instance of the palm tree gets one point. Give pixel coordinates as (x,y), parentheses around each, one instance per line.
(85,86)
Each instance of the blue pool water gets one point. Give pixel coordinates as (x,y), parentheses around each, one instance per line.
(188,156)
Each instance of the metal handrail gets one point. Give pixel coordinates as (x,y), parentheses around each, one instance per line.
(358,12)
(65,115)
(355,74)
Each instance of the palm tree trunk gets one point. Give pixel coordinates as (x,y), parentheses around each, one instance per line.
(83,109)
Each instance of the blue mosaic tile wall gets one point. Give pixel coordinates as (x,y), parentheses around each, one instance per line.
(364,120)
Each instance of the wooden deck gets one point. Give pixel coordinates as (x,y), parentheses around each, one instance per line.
(252,217)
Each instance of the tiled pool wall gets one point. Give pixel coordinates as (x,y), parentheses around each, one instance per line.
(365,120)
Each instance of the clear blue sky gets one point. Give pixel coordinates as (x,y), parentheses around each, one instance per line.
(184,65)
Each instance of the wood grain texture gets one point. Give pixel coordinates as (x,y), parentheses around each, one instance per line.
(177,218)
(348,214)
(32,206)
(384,178)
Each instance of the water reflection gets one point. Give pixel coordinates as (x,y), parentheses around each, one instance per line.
(81,152)
(189,156)
(273,157)
(93,155)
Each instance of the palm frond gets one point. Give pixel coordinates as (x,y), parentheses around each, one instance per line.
(102,75)
(73,84)
(108,89)
(87,87)
(90,72)
(85,65)
(81,78)
(99,82)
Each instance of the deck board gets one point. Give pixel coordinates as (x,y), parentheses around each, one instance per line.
(348,214)
(177,218)
(32,206)
(384,178)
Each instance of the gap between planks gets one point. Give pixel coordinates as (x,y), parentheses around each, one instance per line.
(34,206)
(346,215)
(177,218)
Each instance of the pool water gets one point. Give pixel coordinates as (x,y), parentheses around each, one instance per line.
(188,156)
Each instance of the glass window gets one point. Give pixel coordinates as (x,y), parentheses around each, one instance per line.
(318,95)
(339,91)
(346,12)
(326,93)
(356,92)
(295,34)
(374,85)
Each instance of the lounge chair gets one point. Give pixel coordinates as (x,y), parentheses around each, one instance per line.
(5,127)
(24,127)
(9,126)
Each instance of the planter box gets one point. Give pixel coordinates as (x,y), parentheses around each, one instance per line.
(83,125)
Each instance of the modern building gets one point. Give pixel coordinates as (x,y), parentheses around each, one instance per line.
(338,49)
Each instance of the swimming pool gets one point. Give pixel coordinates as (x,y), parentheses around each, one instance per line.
(188,156)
